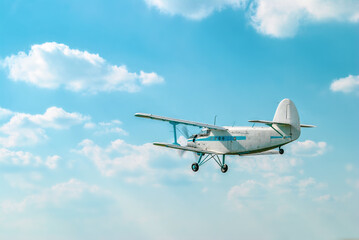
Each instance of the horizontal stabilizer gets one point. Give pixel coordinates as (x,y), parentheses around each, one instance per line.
(268,122)
(191,149)
(307,126)
(179,121)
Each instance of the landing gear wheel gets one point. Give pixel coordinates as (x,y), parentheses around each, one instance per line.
(195,167)
(281,151)
(224,168)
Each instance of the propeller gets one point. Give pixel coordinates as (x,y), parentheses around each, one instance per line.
(185,133)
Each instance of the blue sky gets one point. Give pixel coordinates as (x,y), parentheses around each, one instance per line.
(77,164)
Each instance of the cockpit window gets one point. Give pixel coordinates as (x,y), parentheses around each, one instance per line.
(203,133)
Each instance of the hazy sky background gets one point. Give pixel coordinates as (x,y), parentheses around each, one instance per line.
(75,163)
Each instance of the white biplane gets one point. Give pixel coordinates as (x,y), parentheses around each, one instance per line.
(214,141)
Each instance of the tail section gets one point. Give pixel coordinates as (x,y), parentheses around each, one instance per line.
(287,113)
(286,120)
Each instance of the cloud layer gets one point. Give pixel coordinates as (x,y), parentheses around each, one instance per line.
(348,84)
(53,65)
(277,18)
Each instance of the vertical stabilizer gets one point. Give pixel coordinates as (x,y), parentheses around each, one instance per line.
(287,113)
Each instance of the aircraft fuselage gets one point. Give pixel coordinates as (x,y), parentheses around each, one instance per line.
(239,140)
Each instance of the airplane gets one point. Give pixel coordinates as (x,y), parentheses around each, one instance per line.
(213,141)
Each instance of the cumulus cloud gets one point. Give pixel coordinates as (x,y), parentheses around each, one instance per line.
(21,158)
(348,84)
(281,18)
(51,161)
(277,18)
(308,148)
(53,65)
(27,129)
(106,127)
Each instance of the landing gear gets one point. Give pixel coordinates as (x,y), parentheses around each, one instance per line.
(205,158)
(195,167)
(224,168)
(281,151)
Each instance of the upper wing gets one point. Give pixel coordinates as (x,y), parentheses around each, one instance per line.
(178,121)
(268,122)
(192,149)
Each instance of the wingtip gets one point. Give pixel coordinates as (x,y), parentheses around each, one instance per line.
(307,126)
(141,115)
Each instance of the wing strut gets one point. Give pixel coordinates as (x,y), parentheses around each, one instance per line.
(174,124)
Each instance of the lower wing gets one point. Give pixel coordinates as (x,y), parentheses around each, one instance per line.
(191,149)
(197,150)
(269,152)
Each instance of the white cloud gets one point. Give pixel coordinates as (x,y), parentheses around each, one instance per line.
(5,113)
(106,127)
(282,18)
(53,65)
(51,161)
(57,194)
(26,129)
(308,148)
(150,78)
(21,158)
(57,118)
(195,10)
(346,85)
(277,18)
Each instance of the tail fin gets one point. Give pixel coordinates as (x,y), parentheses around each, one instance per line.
(287,113)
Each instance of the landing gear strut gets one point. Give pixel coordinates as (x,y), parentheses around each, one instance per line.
(281,151)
